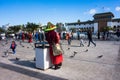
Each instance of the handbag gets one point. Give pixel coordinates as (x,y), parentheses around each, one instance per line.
(57,49)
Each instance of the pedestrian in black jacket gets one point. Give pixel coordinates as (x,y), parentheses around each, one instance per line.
(89,34)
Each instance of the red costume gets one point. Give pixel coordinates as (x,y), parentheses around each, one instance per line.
(23,37)
(29,38)
(67,36)
(52,36)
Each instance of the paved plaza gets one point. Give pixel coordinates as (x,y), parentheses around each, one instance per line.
(80,63)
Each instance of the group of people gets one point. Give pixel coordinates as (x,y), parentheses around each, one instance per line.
(39,36)
(89,36)
(52,36)
(22,36)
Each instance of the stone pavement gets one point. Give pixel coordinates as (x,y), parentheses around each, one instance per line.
(89,63)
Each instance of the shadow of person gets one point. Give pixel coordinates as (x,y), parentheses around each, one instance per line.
(31,73)
(26,63)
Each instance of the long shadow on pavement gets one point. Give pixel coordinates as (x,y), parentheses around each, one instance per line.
(30,73)
(26,63)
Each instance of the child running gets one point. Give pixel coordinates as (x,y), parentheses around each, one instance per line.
(13,47)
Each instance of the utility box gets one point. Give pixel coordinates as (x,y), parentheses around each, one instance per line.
(42,55)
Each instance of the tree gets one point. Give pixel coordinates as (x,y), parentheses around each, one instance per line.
(107,28)
(78,21)
(2,30)
(60,27)
(63,29)
(31,27)
(14,29)
(73,29)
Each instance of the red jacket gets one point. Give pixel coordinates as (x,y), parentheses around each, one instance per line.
(54,36)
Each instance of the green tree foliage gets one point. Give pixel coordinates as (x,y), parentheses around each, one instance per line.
(60,27)
(30,27)
(63,29)
(107,28)
(2,30)
(73,29)
(78,21)
(14,29)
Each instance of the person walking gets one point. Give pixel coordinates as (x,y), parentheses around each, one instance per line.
(89,34)
(52,36)
(118,33)
(36,36)
(68,38)
(41,35)
(23,36)
(81,42)
(29,37)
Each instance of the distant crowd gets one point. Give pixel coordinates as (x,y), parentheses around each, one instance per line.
(39,36)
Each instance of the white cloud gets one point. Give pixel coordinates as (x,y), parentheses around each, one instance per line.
(92,11)
(117,8)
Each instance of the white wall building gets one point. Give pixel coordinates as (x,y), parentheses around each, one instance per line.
(100,21)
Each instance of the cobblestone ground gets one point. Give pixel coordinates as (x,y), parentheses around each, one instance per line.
(80,63)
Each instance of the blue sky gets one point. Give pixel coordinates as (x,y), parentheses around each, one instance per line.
(18,12)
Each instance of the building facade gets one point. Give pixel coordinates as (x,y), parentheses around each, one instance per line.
(101,20)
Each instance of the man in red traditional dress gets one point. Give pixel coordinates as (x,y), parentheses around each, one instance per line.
(52,36)
(29,37)
(23,36)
